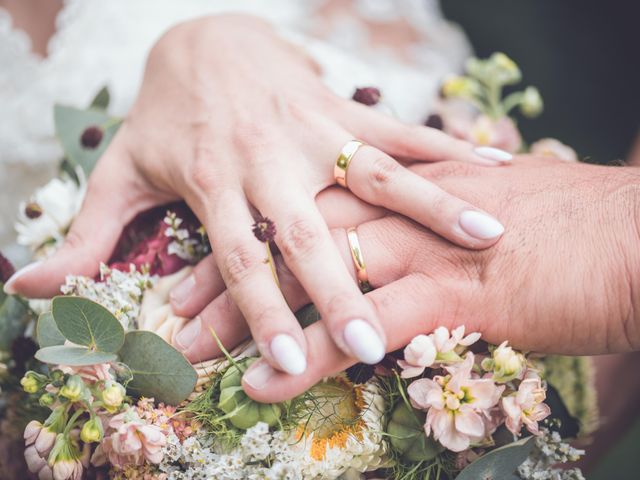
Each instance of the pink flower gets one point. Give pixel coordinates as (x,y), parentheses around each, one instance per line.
(458,405)
(67,470)
(526,407)
(39,441)
(438,347)
(90,373)
(552,148)
(502,133)
(418,355)
(132,441)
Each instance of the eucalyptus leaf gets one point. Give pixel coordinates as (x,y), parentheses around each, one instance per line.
(85,322)
(158,369)
(14,316)
(308,315)
(102,98)
(73,356)
(71,122)
(406,434)
(499,464)
(47,332)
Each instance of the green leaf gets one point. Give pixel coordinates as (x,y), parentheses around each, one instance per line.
(14,316)
(87,323)
(70,123)
(73,356)
(406,434)
(499,464)
(158,369)
(102,98)
(47,332)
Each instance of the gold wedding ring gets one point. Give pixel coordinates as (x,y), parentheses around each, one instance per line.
(358,261)
(342,164)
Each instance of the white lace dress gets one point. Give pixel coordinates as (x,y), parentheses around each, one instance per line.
(100,42)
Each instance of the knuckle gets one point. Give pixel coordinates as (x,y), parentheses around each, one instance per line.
(443,170)
(340,304)
(299,238)
(383,171)
(237,264)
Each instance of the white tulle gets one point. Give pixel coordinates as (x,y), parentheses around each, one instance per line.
(102,42)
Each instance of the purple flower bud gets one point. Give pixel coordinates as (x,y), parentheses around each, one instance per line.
(33,210)
(6,269)
(91,137)
(434,121)
(367,96)
(264,229)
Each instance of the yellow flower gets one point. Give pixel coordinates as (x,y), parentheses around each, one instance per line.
(504,70)
(460,86)
(92,431)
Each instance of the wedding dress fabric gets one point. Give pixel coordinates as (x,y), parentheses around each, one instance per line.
(100,43)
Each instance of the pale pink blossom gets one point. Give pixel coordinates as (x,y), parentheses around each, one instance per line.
(131,442)
(502,133)
(90,373)
(439,347)
(458,405)
(418,355)
(70,469)
(39,441)
(526,406)
(552,148)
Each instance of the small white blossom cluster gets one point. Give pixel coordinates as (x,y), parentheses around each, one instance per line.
(183,244)
(253,459)
(550,451)
(119,292)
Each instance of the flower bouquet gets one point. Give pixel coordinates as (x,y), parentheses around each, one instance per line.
(93,388)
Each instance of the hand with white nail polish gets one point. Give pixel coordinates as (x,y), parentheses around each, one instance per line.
(528,289)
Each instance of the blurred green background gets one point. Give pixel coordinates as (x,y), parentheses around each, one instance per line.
(583,55)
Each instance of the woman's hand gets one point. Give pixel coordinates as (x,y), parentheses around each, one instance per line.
(237,121)
(562,280)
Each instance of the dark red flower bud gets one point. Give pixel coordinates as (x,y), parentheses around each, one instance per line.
(435,121)
(367,96)
(33,210)
(6,269)
(264,229)
(91,137)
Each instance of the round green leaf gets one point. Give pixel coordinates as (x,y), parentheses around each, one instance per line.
(87,323)
(407,436)
(73,356)
(47,332)
(158,369)
(14,316)
(499,464)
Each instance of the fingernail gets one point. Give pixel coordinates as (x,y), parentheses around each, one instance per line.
(480,225)
(288,354)
(364,342)
(181,293)
(185,337)
(259,375)
(9,286)
(494,154)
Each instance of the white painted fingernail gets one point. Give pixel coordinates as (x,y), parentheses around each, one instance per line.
(480,225)
(288,354)
(364,342)
(9,286)
(181,293)
(185,337)
(494,154)
(259,375)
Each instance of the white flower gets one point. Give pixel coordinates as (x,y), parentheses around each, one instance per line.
(57,204)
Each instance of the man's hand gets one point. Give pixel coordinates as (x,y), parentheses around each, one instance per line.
(563,279)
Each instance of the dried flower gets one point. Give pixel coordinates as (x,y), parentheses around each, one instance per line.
(367,96)
(435,121)
(264,229)
(6,269)
(91,137)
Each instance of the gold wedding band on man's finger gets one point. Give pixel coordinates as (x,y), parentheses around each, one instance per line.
(358,261)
